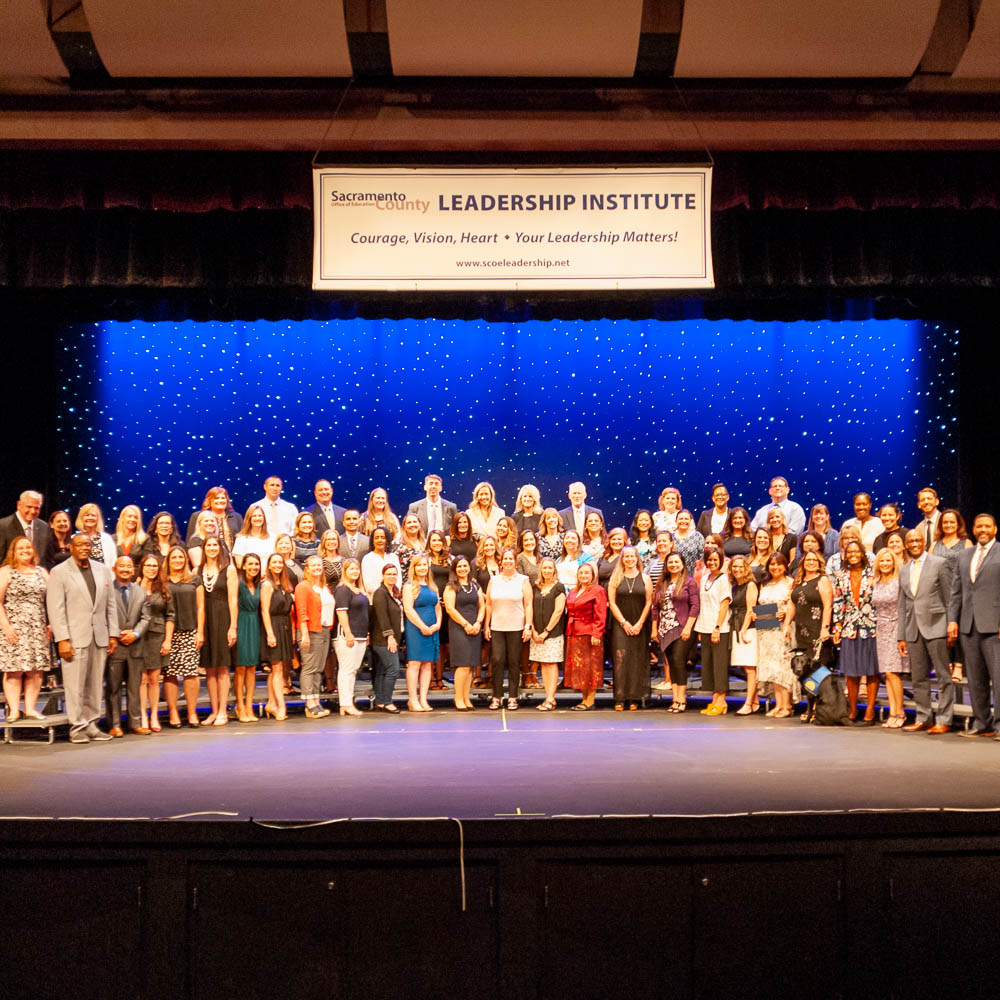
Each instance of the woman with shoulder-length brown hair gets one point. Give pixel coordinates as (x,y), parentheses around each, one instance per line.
(460,540)
(221,586)
(183,648)
(156,640)
(277,599)
(253,537)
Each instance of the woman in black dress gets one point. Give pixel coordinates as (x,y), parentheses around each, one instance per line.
(465,605)
(60,531)
(218,577)
(276,600)
(630,596)
(548,629)
(155,641)
(737,539)
(188,598)
(460,540)
(437,549)
(161,538)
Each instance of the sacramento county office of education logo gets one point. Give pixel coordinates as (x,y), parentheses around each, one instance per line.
(382,201)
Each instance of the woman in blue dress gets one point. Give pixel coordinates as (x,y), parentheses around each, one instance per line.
(422,608)
(247,636)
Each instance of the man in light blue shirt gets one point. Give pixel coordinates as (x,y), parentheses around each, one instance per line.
(795,516)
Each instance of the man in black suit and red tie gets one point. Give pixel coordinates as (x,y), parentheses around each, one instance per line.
(974,613)
(25,523)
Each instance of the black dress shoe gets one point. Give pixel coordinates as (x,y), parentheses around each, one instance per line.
(194,724)
(174,725)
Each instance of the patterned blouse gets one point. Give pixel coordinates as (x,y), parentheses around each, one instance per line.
(857,620)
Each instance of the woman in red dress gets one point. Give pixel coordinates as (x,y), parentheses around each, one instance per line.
(586,607)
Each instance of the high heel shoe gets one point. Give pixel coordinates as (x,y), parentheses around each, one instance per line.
(677,707)
(349,710)
(747,709)
(273,714)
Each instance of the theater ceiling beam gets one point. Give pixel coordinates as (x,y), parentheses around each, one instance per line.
(402,130)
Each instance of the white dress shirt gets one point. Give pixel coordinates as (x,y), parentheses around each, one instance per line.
(280,516)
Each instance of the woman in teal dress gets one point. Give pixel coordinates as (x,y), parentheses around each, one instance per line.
(247,636)
(421,625)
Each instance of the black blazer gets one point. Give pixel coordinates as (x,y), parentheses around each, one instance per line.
(704,525)
(10,528)
(319,518)
(386,618)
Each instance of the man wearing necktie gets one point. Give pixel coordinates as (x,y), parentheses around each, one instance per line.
(327,515)
(924,591)
(280,514)
(433,512)
(25,523)
(974,613)
(928,503)
(575,515)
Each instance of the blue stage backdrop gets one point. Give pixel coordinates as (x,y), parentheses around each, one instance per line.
(155,413)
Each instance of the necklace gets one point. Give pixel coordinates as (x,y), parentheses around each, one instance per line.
(209,579)
(630,582)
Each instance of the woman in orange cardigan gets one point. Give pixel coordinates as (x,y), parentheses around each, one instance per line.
(314,609)
(586,606)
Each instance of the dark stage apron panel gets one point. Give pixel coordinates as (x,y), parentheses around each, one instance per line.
(500,765)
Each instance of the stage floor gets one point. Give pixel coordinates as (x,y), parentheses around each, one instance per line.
(499,765)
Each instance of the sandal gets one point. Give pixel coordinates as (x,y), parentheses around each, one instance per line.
(495,705)
(677,707)
(547,706)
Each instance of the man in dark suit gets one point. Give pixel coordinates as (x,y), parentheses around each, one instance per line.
(25,523)
(574,516)
(84,620)
(433,512)
(326,514)
(715,520)
(928,504)
(974,612)
(922,631)
(353,545)
(126,662)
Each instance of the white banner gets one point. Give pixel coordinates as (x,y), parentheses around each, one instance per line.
(579,228)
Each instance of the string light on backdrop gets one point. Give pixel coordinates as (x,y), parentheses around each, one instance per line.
(155,413)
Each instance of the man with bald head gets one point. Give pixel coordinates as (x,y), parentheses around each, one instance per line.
(25,523)
(922,632)
(974,614)
(83,614)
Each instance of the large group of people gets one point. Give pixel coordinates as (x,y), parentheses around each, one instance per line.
(500,602)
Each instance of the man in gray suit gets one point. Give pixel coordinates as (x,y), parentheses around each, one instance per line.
(574,516)
(127,662)
(974,611)
(924,591)
(84,620)
(433,512)
(353,545)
